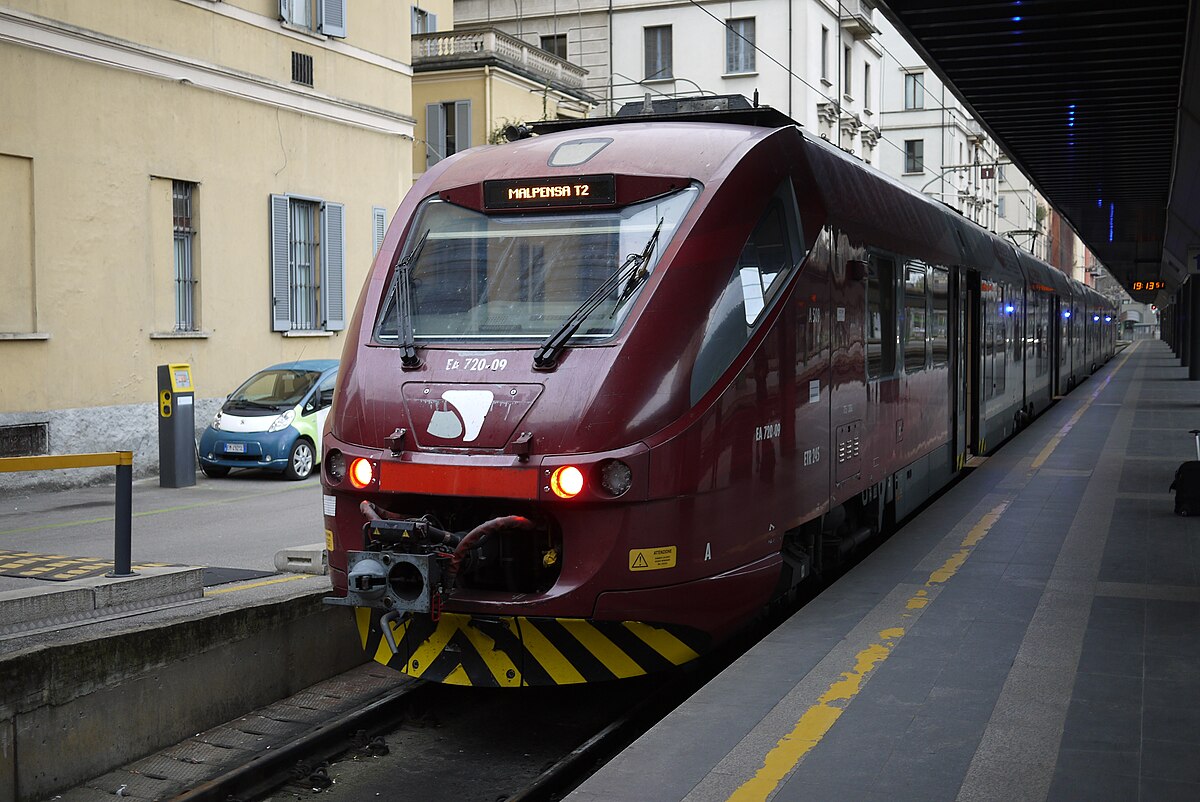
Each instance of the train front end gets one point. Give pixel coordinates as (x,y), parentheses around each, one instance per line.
(486,494)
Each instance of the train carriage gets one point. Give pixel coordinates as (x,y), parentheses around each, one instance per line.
(612,389)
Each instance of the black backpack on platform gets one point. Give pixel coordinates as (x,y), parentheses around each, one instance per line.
(1187,483)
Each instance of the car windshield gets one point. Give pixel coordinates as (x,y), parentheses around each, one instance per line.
(275,388)
(520,276)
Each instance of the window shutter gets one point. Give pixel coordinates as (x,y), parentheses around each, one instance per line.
(281,308)
(333,260)
(462,125)
(416,20)
(431,23)
(285,11)
(333,17)
(378,227)
(435,134)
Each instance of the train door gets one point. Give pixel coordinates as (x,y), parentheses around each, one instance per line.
(970,359)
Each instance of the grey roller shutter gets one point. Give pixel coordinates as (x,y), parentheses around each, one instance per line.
(281,307)
(435,134)
(378,228)
(333,17)
(333,259)
(462,125)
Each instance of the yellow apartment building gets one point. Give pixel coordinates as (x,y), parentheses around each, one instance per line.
(195,181)
(469,84)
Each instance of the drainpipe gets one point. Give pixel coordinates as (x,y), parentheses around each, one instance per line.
(610,59)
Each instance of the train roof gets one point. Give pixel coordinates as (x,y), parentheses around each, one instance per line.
(671,148)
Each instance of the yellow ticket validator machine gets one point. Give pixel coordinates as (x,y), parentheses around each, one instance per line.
(176,426)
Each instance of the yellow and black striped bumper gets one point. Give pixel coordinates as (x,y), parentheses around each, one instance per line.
(514,651)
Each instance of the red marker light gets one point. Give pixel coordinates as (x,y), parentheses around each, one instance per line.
(361,472)
(567,481)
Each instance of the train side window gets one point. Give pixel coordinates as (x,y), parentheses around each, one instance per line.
(939,315)
(767,258)
(769,254)
(915,317)
(881,318)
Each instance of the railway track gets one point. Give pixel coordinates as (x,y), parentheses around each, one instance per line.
(457,744)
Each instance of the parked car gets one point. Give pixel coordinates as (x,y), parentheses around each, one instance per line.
(273,421)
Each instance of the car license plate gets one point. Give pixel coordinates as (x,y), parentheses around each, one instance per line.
(235,448)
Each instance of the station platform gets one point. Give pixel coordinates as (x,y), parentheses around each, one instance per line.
(1032,634)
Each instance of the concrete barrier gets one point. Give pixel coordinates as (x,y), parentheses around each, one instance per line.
(78,706)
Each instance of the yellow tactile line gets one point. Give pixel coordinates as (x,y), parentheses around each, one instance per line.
(252,585)
(1041,458)
(816,722)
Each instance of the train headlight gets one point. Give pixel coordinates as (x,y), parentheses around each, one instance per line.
(616,477)
(335,466)
(362,472)
(567,481)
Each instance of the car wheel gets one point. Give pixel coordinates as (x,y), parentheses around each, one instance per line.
(300,460)
(214,471)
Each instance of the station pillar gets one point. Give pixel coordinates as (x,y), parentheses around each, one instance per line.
(1185,323)
(1193,287)
(176,426)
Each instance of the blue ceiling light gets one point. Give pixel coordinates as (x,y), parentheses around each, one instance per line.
(1066,313)
(1016,19)
(1111,214)
(1009,309)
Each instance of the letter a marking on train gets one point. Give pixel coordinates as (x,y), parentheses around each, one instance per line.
(708,551)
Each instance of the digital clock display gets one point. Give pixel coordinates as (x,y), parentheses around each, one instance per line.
(540,193)
(1148,285)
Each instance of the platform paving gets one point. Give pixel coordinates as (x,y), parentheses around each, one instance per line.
(1034,634)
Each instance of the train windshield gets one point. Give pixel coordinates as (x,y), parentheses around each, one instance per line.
(472,276)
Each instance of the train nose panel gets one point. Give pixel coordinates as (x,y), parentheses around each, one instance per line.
(466,415)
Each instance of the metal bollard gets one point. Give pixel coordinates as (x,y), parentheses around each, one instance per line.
(123,522)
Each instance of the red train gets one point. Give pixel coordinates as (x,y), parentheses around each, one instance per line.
(612,389)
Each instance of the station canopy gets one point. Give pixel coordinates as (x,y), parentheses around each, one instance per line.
(1097,103)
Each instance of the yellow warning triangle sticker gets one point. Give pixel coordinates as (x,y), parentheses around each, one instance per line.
(640,561)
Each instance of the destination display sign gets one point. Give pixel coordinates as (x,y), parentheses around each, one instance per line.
(540,193)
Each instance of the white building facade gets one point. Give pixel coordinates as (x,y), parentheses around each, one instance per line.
(838,68)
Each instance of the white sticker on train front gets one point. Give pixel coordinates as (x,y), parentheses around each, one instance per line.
(330,505)
(814,391)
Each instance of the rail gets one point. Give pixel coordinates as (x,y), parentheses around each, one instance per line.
(123,514)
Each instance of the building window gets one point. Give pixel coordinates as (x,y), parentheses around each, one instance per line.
(423,21)
(307,259)
(320,16)
(914,90)
(825,54)
(1000,206)
(182,195)
(739,45)
(866,86)
(846,74)
(914,155)
(555,45)
(447,129)
(658,52)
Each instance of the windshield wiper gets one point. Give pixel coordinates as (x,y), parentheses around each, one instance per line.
(547,356)
(402,292)
(245,402)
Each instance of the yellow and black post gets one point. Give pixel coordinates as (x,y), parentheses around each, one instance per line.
(176,426)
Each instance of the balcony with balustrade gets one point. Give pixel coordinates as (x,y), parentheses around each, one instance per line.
(474,48)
